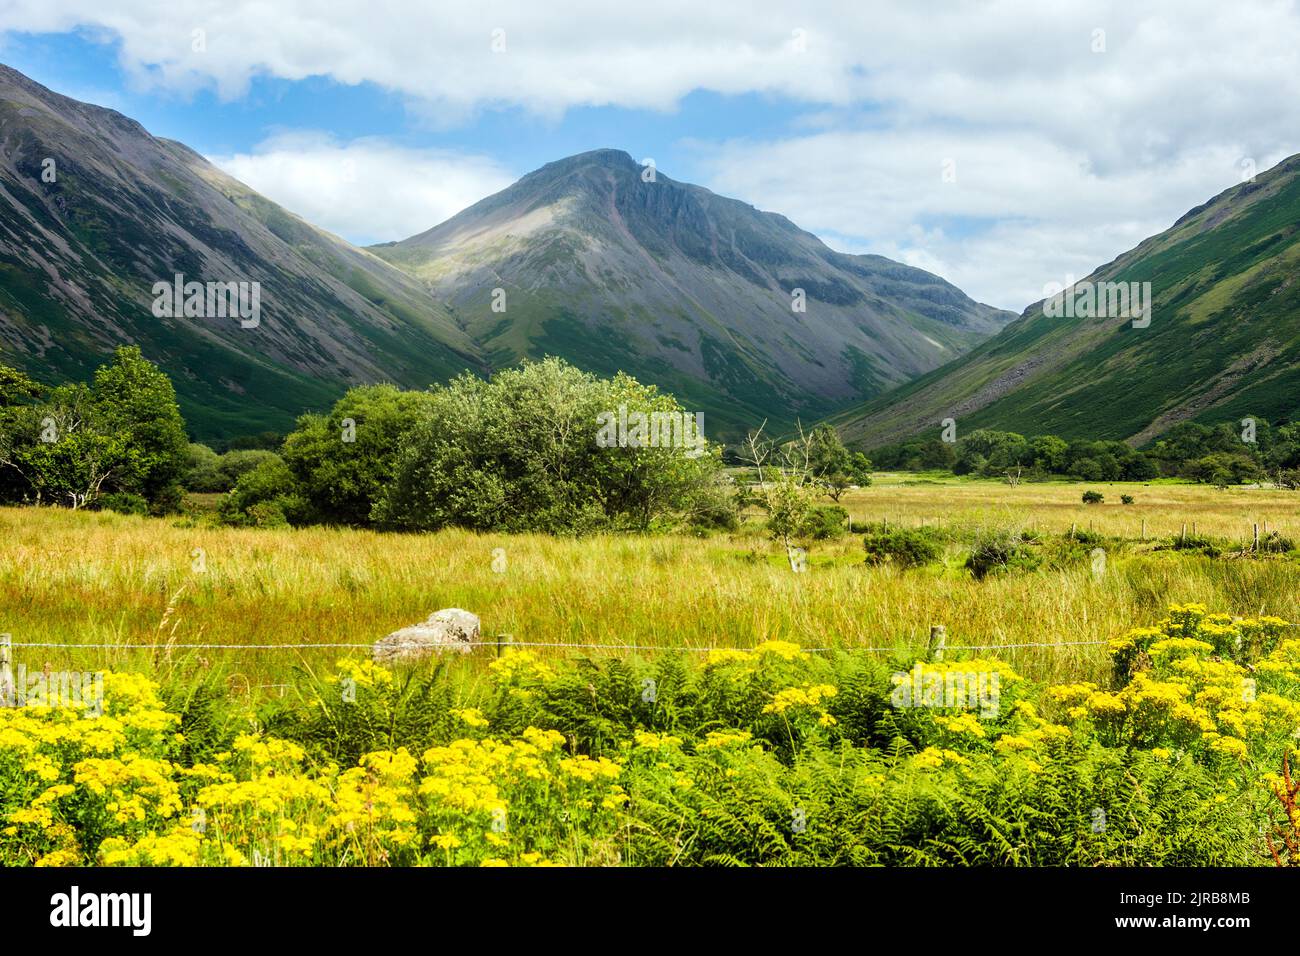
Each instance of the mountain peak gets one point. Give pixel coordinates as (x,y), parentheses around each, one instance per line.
(613,160)
(605,156)
(735,310)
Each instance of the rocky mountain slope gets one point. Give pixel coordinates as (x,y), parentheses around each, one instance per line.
(94,211)
(600,262)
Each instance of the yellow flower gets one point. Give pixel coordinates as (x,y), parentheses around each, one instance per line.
(963,723)
(365,673)
(809,695)
(60,858)
(785,650)
(726,655)
(471,716)
(724,738)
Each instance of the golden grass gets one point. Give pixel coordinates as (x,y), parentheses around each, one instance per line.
(100,578)
(1055,506)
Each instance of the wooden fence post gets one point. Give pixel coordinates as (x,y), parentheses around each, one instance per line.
(7,698)
(938,640)
(504,639)
(1256,545)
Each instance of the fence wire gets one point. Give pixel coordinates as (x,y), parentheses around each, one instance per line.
(513,643)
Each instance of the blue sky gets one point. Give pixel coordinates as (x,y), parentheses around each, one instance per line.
(1072,131)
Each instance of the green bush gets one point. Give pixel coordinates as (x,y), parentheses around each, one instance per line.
(825,522)
(1080,536)
(903,547)
(1276,543)
(266,497)
(123,503)
(1093,497)
(544,447)
(1197,542)
(1000,551)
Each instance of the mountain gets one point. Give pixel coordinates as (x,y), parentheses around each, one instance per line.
(1223,339)
(664,280)
(79,257)
(613,268)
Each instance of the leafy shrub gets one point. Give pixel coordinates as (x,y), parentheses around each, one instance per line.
(542,447)
(1080,536)
(1001,551)
(1126,499)
(201,470)
(1093,497)
(123,503)
(903,547)
(1276,543)
(825,521)
(267,496)
(1199,543)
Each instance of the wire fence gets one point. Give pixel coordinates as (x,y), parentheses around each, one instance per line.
(510,643)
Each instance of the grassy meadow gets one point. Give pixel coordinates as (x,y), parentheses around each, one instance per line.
(132,582)
(614,749)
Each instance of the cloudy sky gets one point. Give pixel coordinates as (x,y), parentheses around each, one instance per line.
(1003,145)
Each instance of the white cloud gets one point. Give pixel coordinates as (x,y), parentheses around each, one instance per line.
(1020,212)
(366,190)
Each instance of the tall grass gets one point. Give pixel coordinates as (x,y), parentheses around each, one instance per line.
(91,578)
(1057,505)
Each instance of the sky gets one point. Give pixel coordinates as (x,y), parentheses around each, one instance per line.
(1007,146)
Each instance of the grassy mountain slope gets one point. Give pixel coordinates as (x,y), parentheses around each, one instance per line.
(1224,339)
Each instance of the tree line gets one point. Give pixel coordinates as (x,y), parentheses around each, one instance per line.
(1227,453)
(516,452)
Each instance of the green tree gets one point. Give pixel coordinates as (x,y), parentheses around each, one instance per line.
(345,461)
(136,403)
(1049,453)
(532,449)
(123,436)
(16,388)
(832,465)
(58,450)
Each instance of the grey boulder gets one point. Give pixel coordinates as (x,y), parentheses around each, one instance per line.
(450,629)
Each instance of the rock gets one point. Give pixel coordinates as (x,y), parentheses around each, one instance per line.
(450,629)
